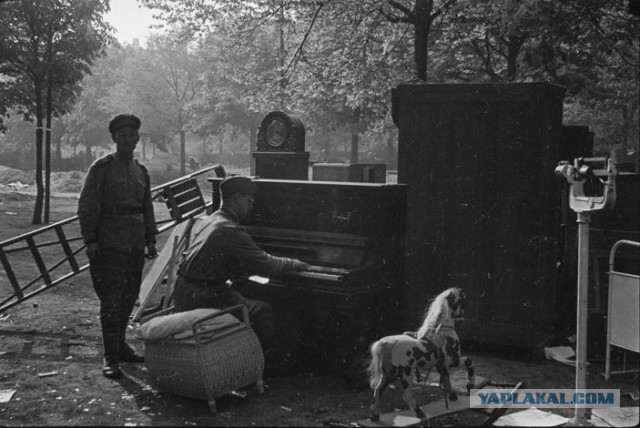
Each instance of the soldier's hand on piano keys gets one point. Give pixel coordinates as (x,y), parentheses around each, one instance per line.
(299,265)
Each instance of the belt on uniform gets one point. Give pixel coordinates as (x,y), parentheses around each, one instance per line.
(209,283)
(122,210)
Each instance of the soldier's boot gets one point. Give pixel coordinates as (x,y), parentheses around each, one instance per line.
(111,367)
(127,353)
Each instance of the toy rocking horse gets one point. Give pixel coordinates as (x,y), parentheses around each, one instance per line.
(404,357)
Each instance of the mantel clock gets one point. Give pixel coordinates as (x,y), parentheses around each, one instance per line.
(280,132)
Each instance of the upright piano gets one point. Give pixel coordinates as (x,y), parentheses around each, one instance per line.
(353,236)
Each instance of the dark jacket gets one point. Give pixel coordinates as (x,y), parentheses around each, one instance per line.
(222,250)
(115,207)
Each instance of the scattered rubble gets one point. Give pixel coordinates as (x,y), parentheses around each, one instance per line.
(15,180)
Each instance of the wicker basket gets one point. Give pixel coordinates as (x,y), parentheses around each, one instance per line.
(210,364)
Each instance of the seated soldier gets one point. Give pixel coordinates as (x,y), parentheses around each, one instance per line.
(221,252)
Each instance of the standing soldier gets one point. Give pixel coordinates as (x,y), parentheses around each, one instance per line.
(117,222)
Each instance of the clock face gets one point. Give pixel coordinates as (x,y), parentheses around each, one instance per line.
(276,132)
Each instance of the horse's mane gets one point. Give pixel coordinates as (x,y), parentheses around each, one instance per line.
(437,314)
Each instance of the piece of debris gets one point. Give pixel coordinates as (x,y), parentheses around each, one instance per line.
(286,408)
(562,354)
(6,394)
(240,394)
(339,423)
(616,417)
(531,417)
(47,374)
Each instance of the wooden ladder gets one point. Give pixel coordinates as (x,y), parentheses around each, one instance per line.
(182,196)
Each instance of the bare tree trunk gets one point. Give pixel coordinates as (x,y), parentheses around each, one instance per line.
(37,208)
(47,145)
(47,163)
(354,147)
(513,49)
(422,11)
(182,153)
(281,54)
(355,131)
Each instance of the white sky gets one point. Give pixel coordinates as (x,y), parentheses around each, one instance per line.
(130,20)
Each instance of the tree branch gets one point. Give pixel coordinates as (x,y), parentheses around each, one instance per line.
(409,16)
(485,58)
(408,13)
(444,7)
(298,53)
(394,18)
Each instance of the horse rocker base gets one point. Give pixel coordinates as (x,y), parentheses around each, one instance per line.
(439,408)
(407,418)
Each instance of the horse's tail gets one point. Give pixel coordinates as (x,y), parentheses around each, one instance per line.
(375,365)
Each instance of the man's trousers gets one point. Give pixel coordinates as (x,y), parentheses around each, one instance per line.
(190,296)
(116,276)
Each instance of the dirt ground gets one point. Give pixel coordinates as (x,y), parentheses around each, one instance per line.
(50,354)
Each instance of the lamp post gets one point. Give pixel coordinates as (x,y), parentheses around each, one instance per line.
(584,169)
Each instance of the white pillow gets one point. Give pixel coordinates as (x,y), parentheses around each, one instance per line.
(181,323)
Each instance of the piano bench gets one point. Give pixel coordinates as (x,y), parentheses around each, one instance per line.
(208,364)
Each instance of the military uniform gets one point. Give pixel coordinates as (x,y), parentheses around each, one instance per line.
(116,212)
(222,252)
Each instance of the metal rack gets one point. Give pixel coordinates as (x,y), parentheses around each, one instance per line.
(623,322)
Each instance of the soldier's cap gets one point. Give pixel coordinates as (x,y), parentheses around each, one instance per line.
(123,120)
(237,184)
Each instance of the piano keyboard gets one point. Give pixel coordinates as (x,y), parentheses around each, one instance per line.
(317,275)
(326,270)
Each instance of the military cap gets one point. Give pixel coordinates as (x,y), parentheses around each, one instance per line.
(123,120)
(237,184)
